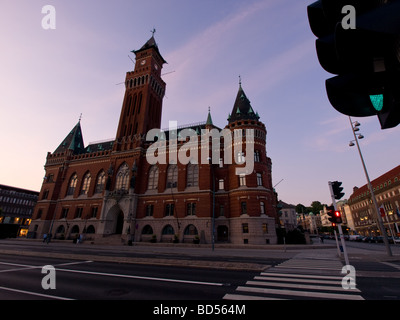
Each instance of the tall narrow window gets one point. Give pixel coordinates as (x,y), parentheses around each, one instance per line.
(172,176)
(78,213)
(244,207)
(262,207)
(191,209)
(259,179)
(149,210)
(221,185)
(153,178)
(242,180)
(72,185)
(169,210)
(100,183)
(192,175)
(86,183)
(94,212)
(122,182)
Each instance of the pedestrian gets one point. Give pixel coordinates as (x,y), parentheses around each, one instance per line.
(45,237)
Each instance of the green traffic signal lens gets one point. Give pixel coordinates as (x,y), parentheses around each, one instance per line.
(377,101)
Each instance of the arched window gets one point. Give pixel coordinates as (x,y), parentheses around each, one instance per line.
(168,229)
(122,182)
(86,183)
(147,229)
(60,229)
(72,185)
(172,176)
(153,178)
(90,229)
(192,175)
(190,230)
(101,182)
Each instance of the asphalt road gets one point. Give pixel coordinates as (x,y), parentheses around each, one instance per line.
(21,278)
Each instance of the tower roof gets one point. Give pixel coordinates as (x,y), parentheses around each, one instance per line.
(151,43)
(242,109)
(73,141)
(209,121)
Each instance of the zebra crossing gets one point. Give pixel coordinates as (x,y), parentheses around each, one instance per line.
(298,278)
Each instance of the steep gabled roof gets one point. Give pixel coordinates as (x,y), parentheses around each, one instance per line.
(73,141)
(242,109)
(151,43)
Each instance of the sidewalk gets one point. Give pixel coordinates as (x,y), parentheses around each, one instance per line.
(202,256)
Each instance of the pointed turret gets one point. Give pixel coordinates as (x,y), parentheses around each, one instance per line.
(209,119)
(242,109)
(151,43)
(73,141)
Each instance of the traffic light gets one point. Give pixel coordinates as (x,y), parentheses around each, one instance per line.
(331,212)
(361,47)
(337,190)
(338,217)
(335,215)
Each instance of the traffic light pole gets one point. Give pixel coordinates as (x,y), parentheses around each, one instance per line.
(371,190)
(346,257)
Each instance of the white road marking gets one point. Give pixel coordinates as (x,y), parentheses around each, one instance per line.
(229,296)
(27,267)
(142,278)
(35,294)
(298,286)
(311,276)
(323,295)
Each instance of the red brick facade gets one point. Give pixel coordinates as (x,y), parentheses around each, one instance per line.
(111,189)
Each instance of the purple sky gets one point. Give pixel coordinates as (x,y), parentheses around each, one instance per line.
(49,77)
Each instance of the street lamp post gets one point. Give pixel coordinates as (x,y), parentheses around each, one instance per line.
(213,206)
(354,128)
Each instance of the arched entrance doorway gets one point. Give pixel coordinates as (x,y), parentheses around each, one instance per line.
(114,222)
(120,222)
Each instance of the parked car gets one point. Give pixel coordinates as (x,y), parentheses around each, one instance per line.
(394,240)
(355,237)
(369,239)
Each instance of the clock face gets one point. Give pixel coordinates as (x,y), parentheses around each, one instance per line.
(143,62)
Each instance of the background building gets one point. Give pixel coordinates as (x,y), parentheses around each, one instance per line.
(387,193)
(110,192)
(16,208)
(288,215)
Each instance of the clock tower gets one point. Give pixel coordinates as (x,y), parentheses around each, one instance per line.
(142,105)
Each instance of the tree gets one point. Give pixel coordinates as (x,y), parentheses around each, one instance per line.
(316,207)
(301,208)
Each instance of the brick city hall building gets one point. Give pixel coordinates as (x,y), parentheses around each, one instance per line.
(111,192)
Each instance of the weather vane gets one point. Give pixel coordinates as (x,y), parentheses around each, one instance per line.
(153,31)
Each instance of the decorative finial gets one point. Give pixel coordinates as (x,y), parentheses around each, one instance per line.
(153,31)
(240,80)
(80,117)
(209,109)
